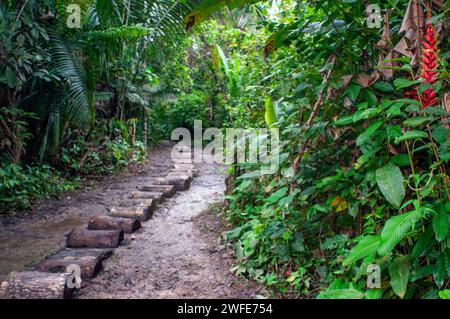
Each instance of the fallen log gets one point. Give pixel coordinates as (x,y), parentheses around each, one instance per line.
(35,285)
(102,222)
(81,238)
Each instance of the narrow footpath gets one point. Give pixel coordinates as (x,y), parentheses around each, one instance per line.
(177,251)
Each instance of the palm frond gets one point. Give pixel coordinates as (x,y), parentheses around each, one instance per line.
(78,105)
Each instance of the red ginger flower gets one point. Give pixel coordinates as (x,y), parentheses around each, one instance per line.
(430,64)
(429,68)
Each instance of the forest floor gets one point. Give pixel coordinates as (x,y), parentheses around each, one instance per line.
(179,253)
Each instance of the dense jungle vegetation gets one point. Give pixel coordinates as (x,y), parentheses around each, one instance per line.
(362,109)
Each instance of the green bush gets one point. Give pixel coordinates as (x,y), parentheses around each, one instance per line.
(103,155)
(188,108)
(19,186)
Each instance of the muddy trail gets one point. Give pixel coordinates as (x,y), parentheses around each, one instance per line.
(178,253)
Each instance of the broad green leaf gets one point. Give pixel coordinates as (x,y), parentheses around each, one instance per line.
(421,273)
(441,134)
(436,110)
(383,86)
(439,271)
(344,120)
(396,229)
(410,135)
(404,83)
(413,108)
(395,109)
(353,92)
(223,59)
(371,98)
(415,121)
(423,243)
(270,115)
(366,247)
(409,101)
(367,134)
(444,151)
(364,114)
(391,183)
(348,293)
(374,294)
(277,40)
(275,197)
(444,294)
(250,175)
(440,224)
(399,271)
(401,160)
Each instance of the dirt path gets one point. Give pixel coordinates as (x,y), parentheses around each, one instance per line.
(26,238)
(178,253)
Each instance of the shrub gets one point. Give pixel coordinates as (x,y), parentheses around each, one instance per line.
(19,186)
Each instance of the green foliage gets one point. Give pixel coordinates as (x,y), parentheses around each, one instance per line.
(20,186)
(103,155)
(371,182)
(63,90)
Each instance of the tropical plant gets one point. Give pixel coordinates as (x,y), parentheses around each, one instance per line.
(363,161)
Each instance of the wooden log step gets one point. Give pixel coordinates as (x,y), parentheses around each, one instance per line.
(89,260)
(158,197)
(185,168)
(183,161)
(181,183)
(102,222)
(180,175)
(140,203)
(84,238)
(99,253)
(35,285)
(178,172)
(89,265)
(139,213)
(167,190)
(188,166)
(182,158)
